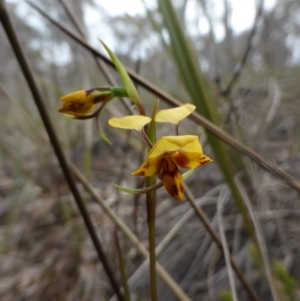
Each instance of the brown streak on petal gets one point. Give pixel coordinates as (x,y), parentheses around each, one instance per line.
(89,91)
(175,189)
(182,160)
(181,188)
(204,162)
(71,107)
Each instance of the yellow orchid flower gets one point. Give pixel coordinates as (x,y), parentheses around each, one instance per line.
(82,102)
(175,115)
(167,155)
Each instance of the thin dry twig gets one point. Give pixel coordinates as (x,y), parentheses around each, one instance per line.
(221,201)
(214,258)
(198,119)
(200,213)
(260,240)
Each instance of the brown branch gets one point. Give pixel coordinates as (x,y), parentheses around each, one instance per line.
(242,64)
(73,18)
(27,72)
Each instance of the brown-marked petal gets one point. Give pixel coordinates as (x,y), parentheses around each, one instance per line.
(175,115)
(172,179)
(204,159)
(174,185)
(133,122)
(76,108)
(78,103)
(81,102)
(190,160)
(149,168)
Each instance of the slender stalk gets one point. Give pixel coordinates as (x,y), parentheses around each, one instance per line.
(145,139)
(151,209)
(220,205)
(14,41)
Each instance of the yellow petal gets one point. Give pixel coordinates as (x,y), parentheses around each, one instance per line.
(78,103)
(190,159)
(169,144)
(204,159)
(172,179)
(80,96)
(149,168)
(133,122)
(76,108)
(175,115)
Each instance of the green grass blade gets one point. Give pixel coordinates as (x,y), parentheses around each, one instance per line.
(156,186)
(201,95)
(128,84)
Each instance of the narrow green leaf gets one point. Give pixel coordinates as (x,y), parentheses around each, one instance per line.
(129,86)
(197,86)
(152,128)
(138,191)
(69,116)
(98,124)
(147,189)
(104,137)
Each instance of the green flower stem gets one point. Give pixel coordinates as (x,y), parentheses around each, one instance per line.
(151,208)
(119,92)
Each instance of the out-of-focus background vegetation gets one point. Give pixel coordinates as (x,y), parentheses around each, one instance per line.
(45,252)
